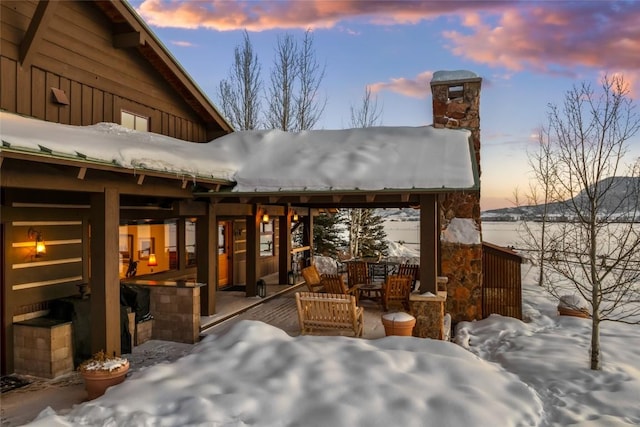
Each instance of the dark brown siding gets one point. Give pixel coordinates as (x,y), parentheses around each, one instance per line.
(77,56)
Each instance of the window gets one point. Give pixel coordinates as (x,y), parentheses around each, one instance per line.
(139,240)
(266,238)
(134,121)
(190,237)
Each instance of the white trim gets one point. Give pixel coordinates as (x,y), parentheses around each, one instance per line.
(45,283)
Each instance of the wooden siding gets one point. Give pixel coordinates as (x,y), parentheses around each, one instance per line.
(77,56)
(502,281)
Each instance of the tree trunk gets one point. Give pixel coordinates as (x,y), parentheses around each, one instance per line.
(595,343)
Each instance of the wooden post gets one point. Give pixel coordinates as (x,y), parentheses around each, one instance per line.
(429,243)
(253,250)
(207,255)
(284,249)
(307,236)
(105,279)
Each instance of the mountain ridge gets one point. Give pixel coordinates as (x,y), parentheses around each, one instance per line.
(621,202)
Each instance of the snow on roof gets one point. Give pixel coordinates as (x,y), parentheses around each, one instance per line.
(452,75)
(264,161)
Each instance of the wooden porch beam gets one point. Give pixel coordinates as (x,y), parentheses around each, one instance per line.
(284,245)
(81,173)
(206,248)
(429,243)
(105,278)
(140,179)
(253,251)
(38,26)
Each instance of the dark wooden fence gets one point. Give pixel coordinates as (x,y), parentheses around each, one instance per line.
(502,282)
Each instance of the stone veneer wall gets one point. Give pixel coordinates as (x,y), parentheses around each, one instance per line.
(461,263)
(176,313)
(42,350)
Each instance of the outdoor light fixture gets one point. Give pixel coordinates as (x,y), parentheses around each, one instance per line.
(265,217)
(41,248)
(291,278)
(153,262)
(261,287)
(295,216)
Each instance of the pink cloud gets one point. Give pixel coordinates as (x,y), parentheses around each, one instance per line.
(546,37)
(225,15)
(182,43)
(418,87)
(555,38)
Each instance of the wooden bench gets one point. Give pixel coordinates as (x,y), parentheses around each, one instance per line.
(329,311)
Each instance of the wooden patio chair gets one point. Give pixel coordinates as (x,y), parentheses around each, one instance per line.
(411,270)
(333,284)
(312,278)
(396,290)
(358,273)
(329,311)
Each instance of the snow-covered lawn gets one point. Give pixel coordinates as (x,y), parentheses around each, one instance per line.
(503,372)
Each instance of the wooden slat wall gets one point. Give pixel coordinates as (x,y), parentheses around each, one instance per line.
(77,56)
(54,275)
(502,281)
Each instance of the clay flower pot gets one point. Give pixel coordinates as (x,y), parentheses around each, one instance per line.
(399,323)
(101,372)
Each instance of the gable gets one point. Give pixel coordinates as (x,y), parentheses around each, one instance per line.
(104,64)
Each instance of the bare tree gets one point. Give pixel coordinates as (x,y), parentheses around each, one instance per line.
(578,168)
(239,94)
(366,234)
(293,99)
(281,103)
(309,104)
(538,199)
(368,114)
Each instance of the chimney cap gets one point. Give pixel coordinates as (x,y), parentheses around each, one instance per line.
(454,76)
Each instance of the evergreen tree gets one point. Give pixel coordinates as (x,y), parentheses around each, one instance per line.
(366,233)
(327,239)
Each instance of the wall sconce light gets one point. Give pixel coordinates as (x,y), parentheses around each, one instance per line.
(295,216)
(153,262)
(265,217)
(41,248)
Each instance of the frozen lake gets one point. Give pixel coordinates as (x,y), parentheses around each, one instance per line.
(498,233)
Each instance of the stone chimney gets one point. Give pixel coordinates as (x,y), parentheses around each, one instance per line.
(456,105)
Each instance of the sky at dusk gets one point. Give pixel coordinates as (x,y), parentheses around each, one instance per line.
(528,53)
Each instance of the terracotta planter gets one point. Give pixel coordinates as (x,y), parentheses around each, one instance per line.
(96,382)
(565,311)
(398,324)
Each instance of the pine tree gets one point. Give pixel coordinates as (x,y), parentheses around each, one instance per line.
(327,239)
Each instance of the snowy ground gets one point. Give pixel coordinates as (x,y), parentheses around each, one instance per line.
(502,372)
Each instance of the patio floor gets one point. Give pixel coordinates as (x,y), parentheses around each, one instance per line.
(22,405)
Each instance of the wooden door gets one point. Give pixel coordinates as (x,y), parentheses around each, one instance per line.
(224,253)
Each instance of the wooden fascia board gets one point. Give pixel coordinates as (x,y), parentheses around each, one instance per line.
(37,28)
(69,182)
(136,173)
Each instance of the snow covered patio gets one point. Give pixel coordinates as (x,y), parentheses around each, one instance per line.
(502,372)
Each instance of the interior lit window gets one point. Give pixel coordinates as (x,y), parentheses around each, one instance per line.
(190,235)
(266,238)
(147,247)
(134,121)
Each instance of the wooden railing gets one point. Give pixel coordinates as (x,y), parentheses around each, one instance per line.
(502,282)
